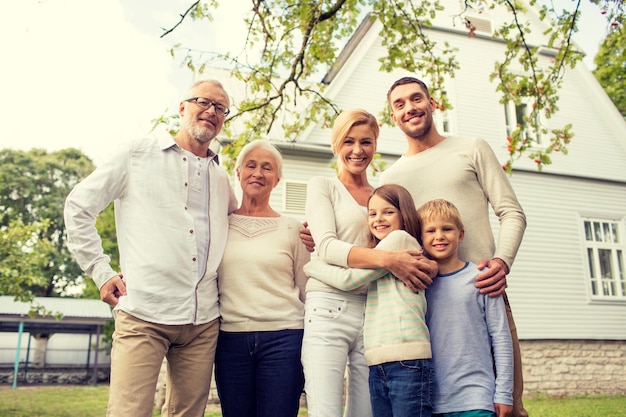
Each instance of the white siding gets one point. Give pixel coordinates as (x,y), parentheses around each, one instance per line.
(548,286)
(300,169)
(597,150)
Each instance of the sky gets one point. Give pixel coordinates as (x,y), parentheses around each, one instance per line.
(92,74)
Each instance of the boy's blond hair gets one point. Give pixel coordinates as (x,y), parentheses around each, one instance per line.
(441,209)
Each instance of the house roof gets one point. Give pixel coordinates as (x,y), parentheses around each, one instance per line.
(68,315)
(352,43)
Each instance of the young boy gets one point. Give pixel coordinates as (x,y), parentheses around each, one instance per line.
(465,326)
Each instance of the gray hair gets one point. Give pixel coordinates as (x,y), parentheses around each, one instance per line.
(264,145)
(190,91)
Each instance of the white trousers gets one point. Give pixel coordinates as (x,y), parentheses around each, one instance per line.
(333,339)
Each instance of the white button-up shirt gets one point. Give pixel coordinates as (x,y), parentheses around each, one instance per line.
(149,182)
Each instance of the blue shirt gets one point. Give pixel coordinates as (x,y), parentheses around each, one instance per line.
(464,327)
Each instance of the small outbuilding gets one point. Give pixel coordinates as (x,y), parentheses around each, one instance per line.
(66,315)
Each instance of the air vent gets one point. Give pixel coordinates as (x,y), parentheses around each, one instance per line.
(481,24)
(295,196)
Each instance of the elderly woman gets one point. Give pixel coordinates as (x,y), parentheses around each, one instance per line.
(261,291)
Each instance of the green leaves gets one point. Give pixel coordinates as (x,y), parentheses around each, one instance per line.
(533,75)
(611,67)
(290,44)
(410,48)
(33,188)
(24,254)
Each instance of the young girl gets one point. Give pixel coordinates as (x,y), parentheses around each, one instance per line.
(397,342)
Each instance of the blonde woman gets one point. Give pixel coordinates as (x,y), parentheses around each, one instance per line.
(336,211)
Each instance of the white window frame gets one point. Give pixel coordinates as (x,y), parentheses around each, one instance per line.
(443,119)
(446,120)
(604,253)
(517,114)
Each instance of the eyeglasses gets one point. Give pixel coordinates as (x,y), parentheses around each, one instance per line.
(206,104)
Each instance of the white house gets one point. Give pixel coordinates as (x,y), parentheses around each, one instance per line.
(567,287)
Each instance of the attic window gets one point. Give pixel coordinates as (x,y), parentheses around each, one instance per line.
(476,13)
(442,118)
(518,115)
(294,196)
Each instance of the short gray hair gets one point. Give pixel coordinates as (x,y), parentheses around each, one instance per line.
(189,93)
(264,145)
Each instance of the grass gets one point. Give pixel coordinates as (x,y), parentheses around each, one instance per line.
(58,401)
(53,401)
(583,406)
(90,401)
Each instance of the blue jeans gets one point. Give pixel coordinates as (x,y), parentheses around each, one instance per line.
(402,389)
(259,373)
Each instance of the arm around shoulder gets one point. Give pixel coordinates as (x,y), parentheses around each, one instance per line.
(399,253)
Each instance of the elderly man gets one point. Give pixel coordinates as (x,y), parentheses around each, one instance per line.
(171,206)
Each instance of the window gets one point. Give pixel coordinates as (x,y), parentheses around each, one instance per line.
(295,196)
(442,118)
(519,115)
(604,248)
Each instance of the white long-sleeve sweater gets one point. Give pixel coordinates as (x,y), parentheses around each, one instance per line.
(261,282)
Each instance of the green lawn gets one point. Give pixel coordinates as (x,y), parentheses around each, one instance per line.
(89,401)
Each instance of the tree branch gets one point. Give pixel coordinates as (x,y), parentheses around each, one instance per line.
(332,12)
(182,17)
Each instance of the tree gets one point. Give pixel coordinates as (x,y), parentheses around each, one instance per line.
(611,67)
(288,41)
(33,245)
(23,256)
(33,187)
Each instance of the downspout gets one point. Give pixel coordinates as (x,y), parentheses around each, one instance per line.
(16,366)
(95,359)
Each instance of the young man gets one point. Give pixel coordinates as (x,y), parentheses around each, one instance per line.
(466,327)
(466,172)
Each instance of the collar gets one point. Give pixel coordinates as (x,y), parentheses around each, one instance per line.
(167,142)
